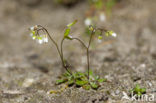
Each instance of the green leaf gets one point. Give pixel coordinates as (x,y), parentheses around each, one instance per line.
(90,72)
(94,85)
(33,32)
(39,38)
(87,87)
(139,93)
(96,77)
(81,83)
(66,33)
(69,37)
(70,77)
(137,88)
(79,74)
(71,24)
(60,81)
(66,74)
(143,90)
(102,80)
(70,82)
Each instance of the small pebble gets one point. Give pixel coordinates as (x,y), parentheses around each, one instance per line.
(28,82)
(117,92)
(149,83)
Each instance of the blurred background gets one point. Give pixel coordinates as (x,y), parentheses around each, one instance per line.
(29,68)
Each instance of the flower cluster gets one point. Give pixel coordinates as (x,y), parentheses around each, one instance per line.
(86,80)
(111,33)
(107,33)
(40,38)
(99,32)
(101,17)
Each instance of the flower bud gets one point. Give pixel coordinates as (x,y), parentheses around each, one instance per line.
(100,37)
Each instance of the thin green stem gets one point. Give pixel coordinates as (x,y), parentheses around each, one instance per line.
(64,64)
(88,62)
(80,42)
(57,47)
(54,43)
(87,48)
(62,48)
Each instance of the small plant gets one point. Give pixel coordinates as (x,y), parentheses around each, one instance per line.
(103,4)
(99,11)
(138,90)
(80,80)
(98,4)
(86,80)
(109,5)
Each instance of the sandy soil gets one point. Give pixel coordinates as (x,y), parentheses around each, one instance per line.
(128,61)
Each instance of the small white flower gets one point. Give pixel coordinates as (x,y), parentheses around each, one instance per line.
(32,28)
(40,41)
(45,40)
(114,35)
(102,17)
(40,38)
(33,37)
(70,36)
(88,22)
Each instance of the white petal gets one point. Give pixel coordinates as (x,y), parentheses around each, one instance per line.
(40,41)
(102,17)
(32,28)
(33,37)
(88,22)
(114,35)
(70,36)
(45,40)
